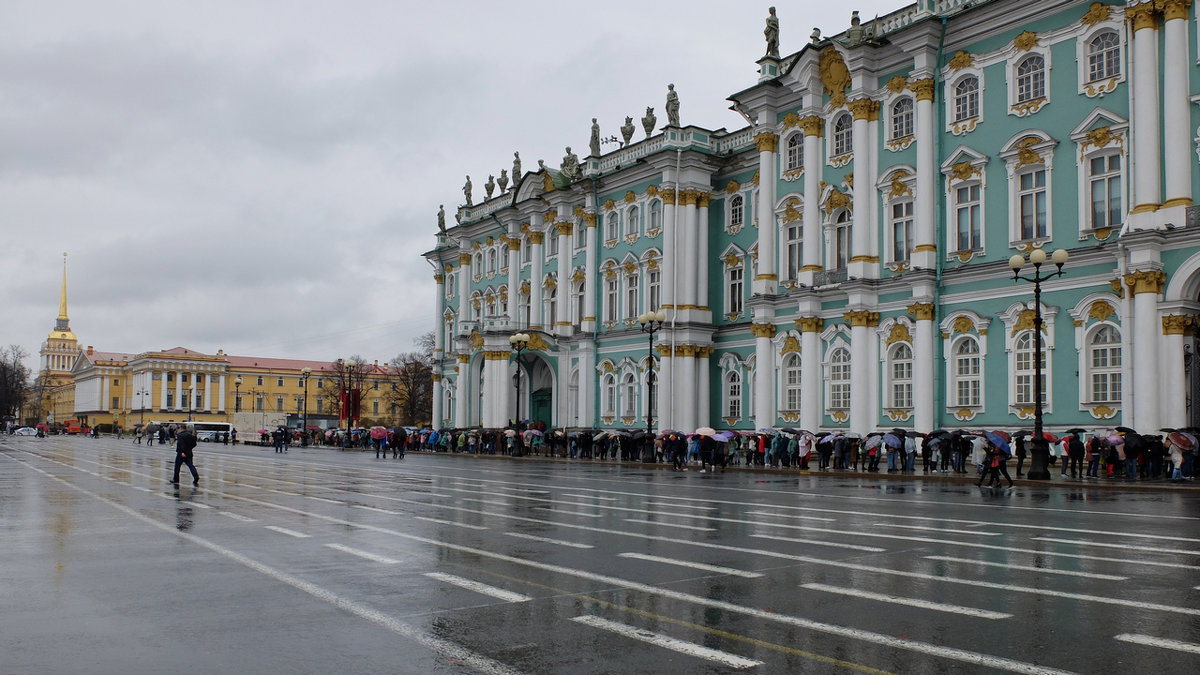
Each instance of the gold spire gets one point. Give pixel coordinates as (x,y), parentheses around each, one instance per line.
(62,303)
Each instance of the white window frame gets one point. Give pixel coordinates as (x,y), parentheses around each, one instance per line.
(1010,317)
(953,79)
(654,210)
(791,379)
(735,288)
(736,216)
(579,295)
(1088,86)
(792,251)
(1020,102)
(653,289)
(611,297)
(839,234)
(838,390)
(733,394)
(1018,157)
(793,152)
(612,226)
(951,340)
(899,381)
(901,122)
(841,138)
(632,295)
(1109,371)
(628,395)
(633,221)
(608,393)
(977,178)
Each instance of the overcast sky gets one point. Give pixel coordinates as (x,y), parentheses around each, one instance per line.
(262,177)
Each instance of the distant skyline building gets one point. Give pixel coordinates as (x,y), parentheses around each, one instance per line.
(842,262)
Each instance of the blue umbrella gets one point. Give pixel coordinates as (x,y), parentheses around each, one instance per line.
(892,441)
(998,441)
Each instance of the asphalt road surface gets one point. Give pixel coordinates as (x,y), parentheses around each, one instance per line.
(322,561)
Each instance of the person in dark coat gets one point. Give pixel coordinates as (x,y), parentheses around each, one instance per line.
(185,442)
(1075,452)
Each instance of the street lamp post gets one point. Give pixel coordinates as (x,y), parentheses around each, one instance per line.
(142,393)
(652,322)
(1039,451)
(237,397)
(304,373)
(188,404)
(350,395)
(519,342)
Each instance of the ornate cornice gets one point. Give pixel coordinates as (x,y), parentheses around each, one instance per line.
(766,141)
(763,330)
(921,311)
(1146,281)
(1177,324)
(1096,13)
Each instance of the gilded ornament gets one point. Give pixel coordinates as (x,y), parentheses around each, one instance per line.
(547,182)
(963,171)
(689,197)
(791,120)
(537,238)
(899,333)
(839,415)
(813,126)
(1101,310)
(754,178)
(766,141)
(1026,155)
(810,324)
(922,311)
(732,187)
(1025,322)
(1177,324)
(609,205)
(1097,13)
(668,196)
(703,199)
(965,414)
(1025,41)
(1142,15)
(630,197)
(476,340)
(607,366)
(578,276)
(961,60)
(861,317)
(462,358)
(579,211)
(864,109)
(848,180)
(589,219)
(899,188)
(731,260)
(1146,281)
(514,243)
(439,279)
(790,346)
(897,84)
(537,342)
(524,228)
(1103,412)
(835,76)
(564,228)
(525,287)
(836,200)
(464,259)
(923,89)
(763,330)
(1174,9)
(630,267)
(790,214)
(963,324)
(652,190)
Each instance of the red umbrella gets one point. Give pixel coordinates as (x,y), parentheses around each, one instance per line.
(1180,440)
(1003,434)
(379,432)
(1049,436)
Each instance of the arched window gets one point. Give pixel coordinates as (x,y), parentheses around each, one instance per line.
(653,290)
(503,301)
(900,370)
(791,382)
(551,301)
(573,399)
(632,221)
(795,152)
(841,240)
(656,221)
(737,210)
(579,298)
(628,395)
(631,296)
(967,373)
(477,264)
(733,394)
(1024,369)
(1104,56)
(1031,78)
(839,379)
(491,261)
(902,118)
(734,288)
(612,227)
(1104,365)
(966,99)
(843,136)
(610,395)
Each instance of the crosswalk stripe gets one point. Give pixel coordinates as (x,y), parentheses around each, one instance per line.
(660,640)
(548,540)
(911,602)
(284,530)
(470,585)
(363,554)
(1164,643)
(689,563)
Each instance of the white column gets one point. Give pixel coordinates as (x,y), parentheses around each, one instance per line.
(1147,158)
(691,244)
(1178,142)
(764,374)
(703,387)
(923,372)
(924,254)
(536,239)
(514,279)
(162,390)
(862,411)
(179,390)
(702,261)
(670,250)
(587,387)
(1171,370)
(1147,328)
(462,404)
(863,229)
(439,321)
(766,277)
(664,402)
(436,408)
(811,394)
(104,393)
(685,363)
(563,323)
(496,412)
(208,401)
(811,250)
(464,286)
(590,287)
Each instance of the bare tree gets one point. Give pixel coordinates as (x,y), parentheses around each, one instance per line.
(14,379)
(345,386)
(411,393)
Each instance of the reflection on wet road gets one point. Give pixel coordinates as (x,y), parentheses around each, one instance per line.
(324,561)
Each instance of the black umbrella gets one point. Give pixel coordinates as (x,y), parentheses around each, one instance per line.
(1169,430)
(789,430)
(1076,431)
(939,432)
(1126,430)
(640,433)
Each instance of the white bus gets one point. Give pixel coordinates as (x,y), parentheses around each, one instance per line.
(210,431)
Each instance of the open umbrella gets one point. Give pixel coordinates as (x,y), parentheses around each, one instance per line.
(705,431)
(532,432)
(1076,431)
(788,430)
(510,433)
(1002,434)
(378,432)
(723,436)
(892,441)
(1126,430)
(1181,440)
(999,441)
(766,430)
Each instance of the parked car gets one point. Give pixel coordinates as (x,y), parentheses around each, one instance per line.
(26,431)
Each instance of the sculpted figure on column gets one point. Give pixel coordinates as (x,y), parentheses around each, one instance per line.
(649,121)
(772,34)
(503,180)
(627,130)
(594,143)
(516,168)
(570,166)
(672,106)
(467,190)
(490,186)
(442,218)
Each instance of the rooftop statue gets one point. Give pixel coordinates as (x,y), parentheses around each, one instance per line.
(467,190)
(627,130)
(570,166)
(594,144)
(672,106)
(649,121)
(771,32)
(489,186)
(442,218)
(503,180)
(516,167)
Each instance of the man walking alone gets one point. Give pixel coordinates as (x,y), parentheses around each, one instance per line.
(185,441)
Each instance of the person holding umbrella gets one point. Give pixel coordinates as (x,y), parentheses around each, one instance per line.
(185,442)
(1075,452)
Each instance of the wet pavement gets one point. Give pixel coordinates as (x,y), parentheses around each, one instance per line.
(323,561)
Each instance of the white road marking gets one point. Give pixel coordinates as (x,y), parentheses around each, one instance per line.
(677,505)
(322,499)
(688,563)
(451,522)
(363,554)
(445,648)
(507,596)
(1161,643)
(581,514)
(236,516)
(372,508)
(1029,568)
(822,542)
(605,499)
(643,521)
(1128,547)
(548,540)
(941,530)
(284,530)
(911,602)
(659,640)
